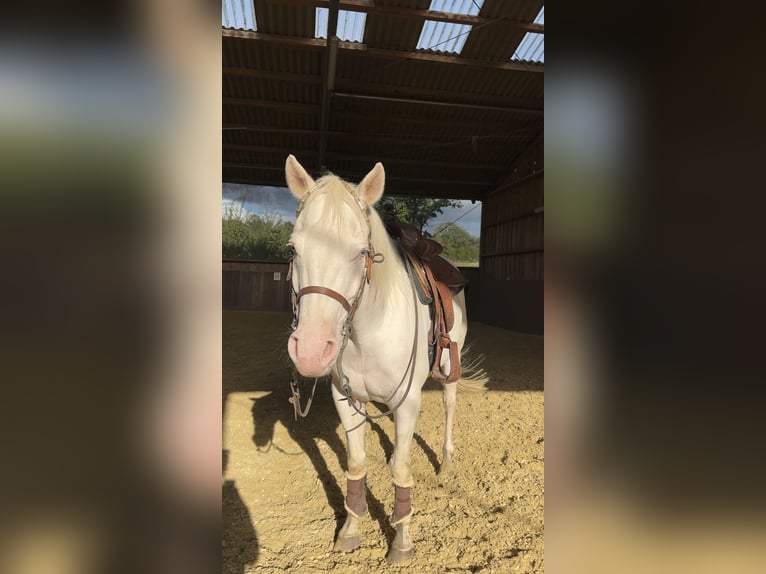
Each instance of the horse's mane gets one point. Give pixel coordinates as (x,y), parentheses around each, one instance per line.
(334,219)
(385,274)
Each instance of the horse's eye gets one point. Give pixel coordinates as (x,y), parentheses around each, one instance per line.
(363,253)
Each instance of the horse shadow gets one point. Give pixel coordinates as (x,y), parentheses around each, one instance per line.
(274,408)
(239,539)
(271,409)
(388,446)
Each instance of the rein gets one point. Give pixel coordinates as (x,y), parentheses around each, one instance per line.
(350,308)
(410,367)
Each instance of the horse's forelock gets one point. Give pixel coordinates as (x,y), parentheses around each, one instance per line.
(324,207)
(332,217)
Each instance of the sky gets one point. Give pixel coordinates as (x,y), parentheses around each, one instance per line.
(279,201)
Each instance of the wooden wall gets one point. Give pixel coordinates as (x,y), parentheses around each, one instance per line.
(255,285)
(251,285)
(509,292)
(512,223)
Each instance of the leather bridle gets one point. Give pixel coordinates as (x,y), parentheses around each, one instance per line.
(370,258)
(350,307)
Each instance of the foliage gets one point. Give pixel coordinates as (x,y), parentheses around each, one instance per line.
(249,236)
(265,237)
(459,245)
(417,211)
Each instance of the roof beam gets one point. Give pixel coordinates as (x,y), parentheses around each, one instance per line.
(421,163)
(474,126)
(452,105)
(445,96)
(452,60)
(267,149)
(270,104)
(372,160)
(272,76)
(442,123)
(391,189)
(436,141)
(356,176)
(328,81)
(357,48)
(371,7)
(407,92)
(292,41)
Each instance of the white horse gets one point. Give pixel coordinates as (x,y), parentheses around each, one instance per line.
(357,318)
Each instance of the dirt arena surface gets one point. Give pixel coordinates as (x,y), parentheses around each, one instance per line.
(283,482)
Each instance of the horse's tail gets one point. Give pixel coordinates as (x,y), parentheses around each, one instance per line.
(474,378)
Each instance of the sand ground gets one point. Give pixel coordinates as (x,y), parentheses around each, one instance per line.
(283,483)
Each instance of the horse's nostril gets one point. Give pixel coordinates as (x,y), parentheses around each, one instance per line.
(292,347)
(329,349)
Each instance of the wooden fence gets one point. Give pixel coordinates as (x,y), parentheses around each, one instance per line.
(255,285)
(262,285)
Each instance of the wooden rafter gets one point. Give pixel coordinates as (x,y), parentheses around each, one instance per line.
(440,192)
(272,76)
(400,91)
(311,108)
(271,104)
(372,160)
(383,139)
(356,176)
(328,78)
(475,127)
(371,7)
(356,48)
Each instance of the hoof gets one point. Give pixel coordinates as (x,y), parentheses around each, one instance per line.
(346,544)
(396,556)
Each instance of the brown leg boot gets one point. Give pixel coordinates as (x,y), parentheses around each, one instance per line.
(356,496)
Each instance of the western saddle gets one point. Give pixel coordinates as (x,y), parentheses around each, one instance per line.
(436,280)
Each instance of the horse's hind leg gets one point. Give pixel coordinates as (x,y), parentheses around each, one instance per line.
(405,418)
(356,492)
(449,398)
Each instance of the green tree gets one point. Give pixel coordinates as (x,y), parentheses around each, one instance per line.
(278,235)
(249,236)
(417,211)
(460,247)
(238,241)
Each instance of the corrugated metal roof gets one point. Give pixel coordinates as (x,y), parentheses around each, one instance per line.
(470,7)
(446,36)
(498,39)
(238,14)
(350,25)
(532,47)
(443,36)
(284,19)
(392,33)
(443,125)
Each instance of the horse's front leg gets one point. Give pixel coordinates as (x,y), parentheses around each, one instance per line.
(356,492)
(405,419)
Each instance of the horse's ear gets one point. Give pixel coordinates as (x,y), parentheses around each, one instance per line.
(371,187)
(298,180)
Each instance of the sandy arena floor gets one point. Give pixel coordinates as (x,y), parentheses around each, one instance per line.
(283,483)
